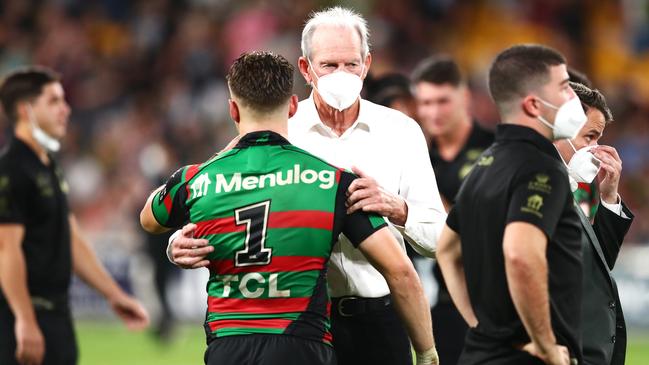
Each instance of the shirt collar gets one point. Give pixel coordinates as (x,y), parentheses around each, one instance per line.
(363,119)
(22,148)
(513,132)
(261,138)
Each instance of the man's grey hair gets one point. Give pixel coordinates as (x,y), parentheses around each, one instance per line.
(336,16)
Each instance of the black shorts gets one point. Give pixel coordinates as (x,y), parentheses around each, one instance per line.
(268,350)
(56,326)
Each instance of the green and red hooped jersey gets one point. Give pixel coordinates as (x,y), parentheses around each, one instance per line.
(272,212)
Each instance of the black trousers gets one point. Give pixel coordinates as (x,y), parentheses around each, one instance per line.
(268,350)
(374,336)
(450,329)
(58,331)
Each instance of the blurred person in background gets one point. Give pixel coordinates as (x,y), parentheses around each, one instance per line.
(396,181)
(284,224)
(455,143)
(40,241)
(602,319)
(455,139)
(511,251)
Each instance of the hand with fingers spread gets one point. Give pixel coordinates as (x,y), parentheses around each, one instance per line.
(609,175)
(188,252)
(367,195)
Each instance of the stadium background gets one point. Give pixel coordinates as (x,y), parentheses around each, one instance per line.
(145,80)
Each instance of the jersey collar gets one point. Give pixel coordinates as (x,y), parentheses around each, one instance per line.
(261,138)
(512,132)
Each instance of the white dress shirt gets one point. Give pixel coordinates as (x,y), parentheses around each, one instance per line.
(390,147)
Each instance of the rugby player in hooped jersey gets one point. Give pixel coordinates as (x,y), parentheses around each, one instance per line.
(272,213)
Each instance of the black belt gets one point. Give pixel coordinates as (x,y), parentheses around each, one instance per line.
(351,306)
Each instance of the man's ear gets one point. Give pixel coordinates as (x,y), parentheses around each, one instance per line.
(292,106)
(531,106)
(234,111)
(303,65)
(22,110)
(368,63)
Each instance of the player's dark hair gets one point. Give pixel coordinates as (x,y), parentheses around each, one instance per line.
(438,70)
(592,98)
(24,84)
(579,77)
(261,80)
(520,69)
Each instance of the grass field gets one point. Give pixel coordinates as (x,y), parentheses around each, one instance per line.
(109,343)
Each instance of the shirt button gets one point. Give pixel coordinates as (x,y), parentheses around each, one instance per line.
(611,304)
(613,339)
(619,326)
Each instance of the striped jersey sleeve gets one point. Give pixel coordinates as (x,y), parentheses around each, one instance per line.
(358,225)
(169,203)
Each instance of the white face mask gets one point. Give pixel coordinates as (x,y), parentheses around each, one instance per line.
(583,166)
(569,120)
(45,140)
(339,89)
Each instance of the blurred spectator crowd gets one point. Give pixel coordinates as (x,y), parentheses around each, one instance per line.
(145,79)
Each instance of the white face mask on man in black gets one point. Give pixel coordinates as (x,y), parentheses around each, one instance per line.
(569,120)
(48,142)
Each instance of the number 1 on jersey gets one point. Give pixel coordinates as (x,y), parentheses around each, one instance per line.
(255,217)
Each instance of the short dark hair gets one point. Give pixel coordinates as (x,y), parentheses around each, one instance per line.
(519,69)
(261,80)
(592,98)
(439,69)
(386,89)
(24,84)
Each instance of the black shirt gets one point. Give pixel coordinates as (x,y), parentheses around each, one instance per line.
(520,178)
(34,195)
(449,174)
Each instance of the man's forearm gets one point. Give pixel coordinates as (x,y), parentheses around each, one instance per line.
(453,272)
(528,286)
(412,307)
(13,280)
(87,266)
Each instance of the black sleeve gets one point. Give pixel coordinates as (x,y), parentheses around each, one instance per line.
(358,225)
(610,230)
(539,198)
(14,195)
(452,220)
(168,204)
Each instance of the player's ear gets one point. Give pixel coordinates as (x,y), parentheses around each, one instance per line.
(234,111)
(292,106)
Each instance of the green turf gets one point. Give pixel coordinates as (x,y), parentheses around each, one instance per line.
(637,352)
(109,343)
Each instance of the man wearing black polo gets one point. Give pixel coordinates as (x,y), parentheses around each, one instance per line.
(511,250)
(40,241)
(455,142)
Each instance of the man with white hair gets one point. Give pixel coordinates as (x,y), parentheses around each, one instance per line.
(388,152)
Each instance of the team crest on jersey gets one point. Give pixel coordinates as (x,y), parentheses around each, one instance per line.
(200,185)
